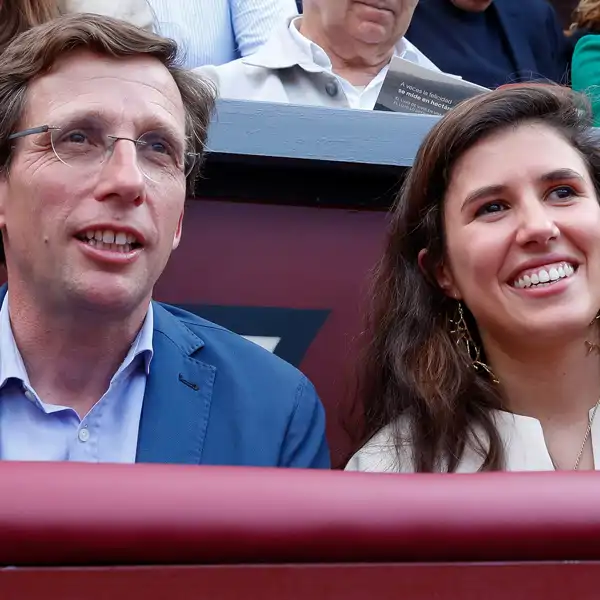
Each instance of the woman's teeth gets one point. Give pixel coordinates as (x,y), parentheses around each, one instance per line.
(545,276)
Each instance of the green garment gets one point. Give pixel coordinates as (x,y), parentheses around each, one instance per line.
(585,71)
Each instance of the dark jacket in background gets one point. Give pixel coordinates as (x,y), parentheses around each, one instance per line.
(564,10)
(511,41)
(299,5)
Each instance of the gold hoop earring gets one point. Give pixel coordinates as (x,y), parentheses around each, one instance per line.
(593,346)
(462,336)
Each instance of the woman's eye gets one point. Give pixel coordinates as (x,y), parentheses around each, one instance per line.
(490,208)
(564,192)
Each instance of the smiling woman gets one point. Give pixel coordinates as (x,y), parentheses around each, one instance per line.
(483,350)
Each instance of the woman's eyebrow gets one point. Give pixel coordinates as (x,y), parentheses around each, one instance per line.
(561,175)
(483,192)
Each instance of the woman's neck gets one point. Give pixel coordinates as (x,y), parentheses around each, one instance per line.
(555,380)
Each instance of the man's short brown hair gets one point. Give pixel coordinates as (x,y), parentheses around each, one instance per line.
(34,52)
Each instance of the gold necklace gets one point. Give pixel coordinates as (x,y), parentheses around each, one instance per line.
(585,439)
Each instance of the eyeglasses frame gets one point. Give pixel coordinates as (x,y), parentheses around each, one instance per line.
(114,138)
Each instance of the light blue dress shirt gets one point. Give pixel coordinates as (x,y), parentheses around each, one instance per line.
(214,32)
(30,429)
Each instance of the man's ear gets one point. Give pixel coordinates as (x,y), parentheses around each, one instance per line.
(442,273)
(3,198)
(177,236)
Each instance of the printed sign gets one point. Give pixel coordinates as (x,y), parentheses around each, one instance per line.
(410,88)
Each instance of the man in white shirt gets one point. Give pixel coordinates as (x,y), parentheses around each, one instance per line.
(337,54)
(213,32)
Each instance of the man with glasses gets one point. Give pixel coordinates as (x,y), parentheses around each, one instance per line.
(101,138)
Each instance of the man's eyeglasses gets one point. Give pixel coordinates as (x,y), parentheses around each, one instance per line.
(88,147)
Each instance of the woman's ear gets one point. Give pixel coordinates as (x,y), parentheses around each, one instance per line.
(442,273)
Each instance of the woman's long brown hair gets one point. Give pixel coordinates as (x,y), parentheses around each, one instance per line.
(17,16)
(413,371)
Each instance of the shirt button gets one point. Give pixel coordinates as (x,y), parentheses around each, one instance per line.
(30,395)
(332,88)
(83,435)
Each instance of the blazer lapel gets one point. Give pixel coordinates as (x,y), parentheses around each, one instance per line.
(511,21)
(178,395)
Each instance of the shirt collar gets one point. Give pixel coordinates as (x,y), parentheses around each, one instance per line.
(11,361)
(288,48)
(404,49)
(142,345)
(13,367)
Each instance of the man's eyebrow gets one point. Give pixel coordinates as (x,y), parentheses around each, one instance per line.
(171,132)
(79,116)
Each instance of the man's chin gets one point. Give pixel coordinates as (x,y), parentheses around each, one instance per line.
(115,300)
(373,34)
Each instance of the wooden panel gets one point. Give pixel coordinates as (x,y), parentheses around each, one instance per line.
(550,581)
(240,256)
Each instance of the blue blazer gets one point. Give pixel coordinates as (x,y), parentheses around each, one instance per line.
(214,398)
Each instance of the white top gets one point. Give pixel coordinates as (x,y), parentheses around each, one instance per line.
(522,436)
(364,96)
(214,32)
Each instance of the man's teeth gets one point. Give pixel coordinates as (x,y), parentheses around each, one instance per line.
(545,276)
(110,240)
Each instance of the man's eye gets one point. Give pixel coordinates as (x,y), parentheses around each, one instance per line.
(75,137)
(154,143)
(159,147)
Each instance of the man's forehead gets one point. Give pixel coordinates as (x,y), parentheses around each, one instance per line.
(140,85)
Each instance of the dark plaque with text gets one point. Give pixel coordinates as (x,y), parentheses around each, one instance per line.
(410,88)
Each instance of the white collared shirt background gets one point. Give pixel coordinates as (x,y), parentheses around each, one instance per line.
(363,97)
(214,32)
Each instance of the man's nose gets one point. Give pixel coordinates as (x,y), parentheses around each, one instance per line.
(121,176)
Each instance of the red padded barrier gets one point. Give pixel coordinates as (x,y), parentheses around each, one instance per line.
(81,514)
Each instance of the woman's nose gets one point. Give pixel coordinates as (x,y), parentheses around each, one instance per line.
(536,223)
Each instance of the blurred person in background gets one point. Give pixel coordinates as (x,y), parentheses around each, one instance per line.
(136,12)
(585,61)
(101,139)
(483,351)
(336,54)
(492,42)
(214,32)
(586,20)
(17,16)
